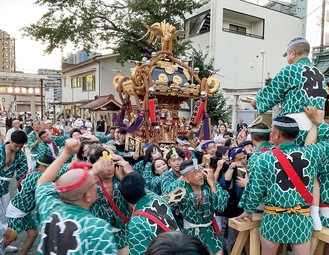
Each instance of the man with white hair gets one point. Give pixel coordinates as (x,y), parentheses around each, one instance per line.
(53,130)
(16,126)
(203,197)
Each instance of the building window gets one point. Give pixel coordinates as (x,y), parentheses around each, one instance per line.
(79,81)
(76,82)
(238,29)
(73,83)
(198,24)
(243,24)
(88,83)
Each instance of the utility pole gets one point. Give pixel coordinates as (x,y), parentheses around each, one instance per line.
(322,25)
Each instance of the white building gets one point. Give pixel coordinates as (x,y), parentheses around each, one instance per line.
(247,42)
(84,81)
(52,87)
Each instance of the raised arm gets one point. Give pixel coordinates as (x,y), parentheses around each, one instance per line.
(71,147)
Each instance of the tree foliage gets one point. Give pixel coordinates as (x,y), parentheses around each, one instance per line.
(216,106)
(107,24)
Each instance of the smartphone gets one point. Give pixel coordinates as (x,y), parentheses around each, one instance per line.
(241,172)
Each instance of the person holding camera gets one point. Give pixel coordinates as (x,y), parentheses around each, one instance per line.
(233,180)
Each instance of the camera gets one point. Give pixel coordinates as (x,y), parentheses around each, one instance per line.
(241,172)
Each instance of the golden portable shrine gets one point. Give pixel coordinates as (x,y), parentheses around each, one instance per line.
(159,86)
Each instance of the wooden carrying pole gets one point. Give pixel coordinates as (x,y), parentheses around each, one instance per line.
(251,228)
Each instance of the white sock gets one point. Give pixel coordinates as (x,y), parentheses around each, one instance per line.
(314,211)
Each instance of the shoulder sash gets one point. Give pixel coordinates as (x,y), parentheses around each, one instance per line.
(112,203)
(293,176)
(23,177)
(152,218)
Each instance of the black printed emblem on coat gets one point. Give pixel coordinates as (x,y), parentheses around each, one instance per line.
(298,164)
(59,236)
(314,83)
(160,211)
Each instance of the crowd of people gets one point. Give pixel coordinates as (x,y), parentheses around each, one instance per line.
(85,193)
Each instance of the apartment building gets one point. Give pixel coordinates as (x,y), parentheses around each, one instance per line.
(246,41)
(52,87)
(7,52)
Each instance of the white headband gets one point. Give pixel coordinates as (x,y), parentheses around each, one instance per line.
(181,142)
(282,124)
(189,168)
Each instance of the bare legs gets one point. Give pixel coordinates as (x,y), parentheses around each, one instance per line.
(123,251)
(32,234)
(271,248)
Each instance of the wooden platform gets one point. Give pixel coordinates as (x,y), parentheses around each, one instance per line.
(250,228)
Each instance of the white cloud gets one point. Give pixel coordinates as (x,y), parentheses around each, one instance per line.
(29,54)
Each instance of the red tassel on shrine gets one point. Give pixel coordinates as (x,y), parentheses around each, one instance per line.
(154,111)
(197,112)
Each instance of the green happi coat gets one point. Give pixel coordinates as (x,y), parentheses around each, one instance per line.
(139,167)
(324,194)
(268,180)
(166,179)
(148,174)
(141,230)
(102,209)
(43,148)
(70,229)
(104,138)
(263,146)
(297,85)
(197,214)
(20,166)
(60,140)
(31,139)
(24,200)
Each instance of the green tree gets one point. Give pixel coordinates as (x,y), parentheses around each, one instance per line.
(107,24)
(216,106)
